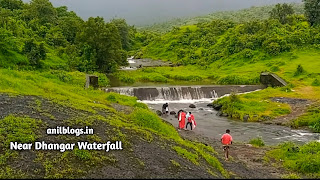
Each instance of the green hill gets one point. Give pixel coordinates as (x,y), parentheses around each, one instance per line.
(239,16)
(33,101)
(45,53)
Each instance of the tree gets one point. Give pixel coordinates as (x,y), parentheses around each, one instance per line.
(312,11)
(103,41)
(123,29)
(34,52)
(281,11)
(42,10)
(11,4)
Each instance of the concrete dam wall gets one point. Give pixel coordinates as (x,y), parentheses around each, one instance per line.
(182,92)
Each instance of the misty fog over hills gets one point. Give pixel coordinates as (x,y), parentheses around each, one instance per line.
(146,12)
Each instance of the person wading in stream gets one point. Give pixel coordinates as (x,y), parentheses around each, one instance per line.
(182,119)
(191,121)
(165,109)
(226,141)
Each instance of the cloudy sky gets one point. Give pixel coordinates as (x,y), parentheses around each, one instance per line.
(142,12)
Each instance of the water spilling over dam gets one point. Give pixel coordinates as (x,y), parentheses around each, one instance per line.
(176,93)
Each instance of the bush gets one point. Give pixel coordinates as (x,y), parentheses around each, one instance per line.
(127,79)
(299,70)
(258,142)
(84,155)
(316,82)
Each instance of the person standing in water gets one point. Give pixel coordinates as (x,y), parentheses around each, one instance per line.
(191,121)
(165,109)
(226,141)
(182,119)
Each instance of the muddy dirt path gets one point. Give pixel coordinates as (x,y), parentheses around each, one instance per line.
(246,162)
(298,108)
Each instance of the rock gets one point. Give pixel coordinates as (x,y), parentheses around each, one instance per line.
(224,115)
(173,113)
(192,106)
(246,118)
(159,113)
(210,105)
(176,116)
(201,109)
(219,113)
(217,107)
(266,118)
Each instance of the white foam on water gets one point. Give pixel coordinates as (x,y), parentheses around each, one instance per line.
(128,68)
(162,101)
(131,61)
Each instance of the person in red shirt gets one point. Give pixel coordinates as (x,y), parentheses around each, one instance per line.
(191,121)
(226,141)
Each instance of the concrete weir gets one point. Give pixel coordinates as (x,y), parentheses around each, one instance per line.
(173,93)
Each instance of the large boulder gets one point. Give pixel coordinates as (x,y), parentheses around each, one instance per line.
(192,106)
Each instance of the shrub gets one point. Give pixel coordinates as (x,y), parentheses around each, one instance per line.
(258,142)
(299,70)
(82,154)
(127,79)
(316,82)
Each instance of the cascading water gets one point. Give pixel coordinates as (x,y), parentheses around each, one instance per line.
(179,93)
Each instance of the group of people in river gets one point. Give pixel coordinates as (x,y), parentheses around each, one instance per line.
(187,118)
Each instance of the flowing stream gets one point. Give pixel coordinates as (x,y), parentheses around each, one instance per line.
(208,123)
(213,126)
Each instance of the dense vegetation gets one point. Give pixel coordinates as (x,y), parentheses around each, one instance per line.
(47,51)
(303,159)
(240,16)
(205,43)
(37,35)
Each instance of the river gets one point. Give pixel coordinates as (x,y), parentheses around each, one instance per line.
(208,123)
(213,126)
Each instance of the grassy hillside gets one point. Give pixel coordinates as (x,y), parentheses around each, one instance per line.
(58,98)
(240,16)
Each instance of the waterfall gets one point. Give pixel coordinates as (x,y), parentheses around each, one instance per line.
(181,92)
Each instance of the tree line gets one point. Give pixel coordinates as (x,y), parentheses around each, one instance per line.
(36,29)
(255,40)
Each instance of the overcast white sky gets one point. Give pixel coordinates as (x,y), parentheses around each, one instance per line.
(142,12)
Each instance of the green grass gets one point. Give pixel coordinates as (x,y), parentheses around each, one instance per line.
(67,89)
(303,159)
(310,119)
(235,71)
(257,142)
(187,154)
(256,105)
(175,163)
